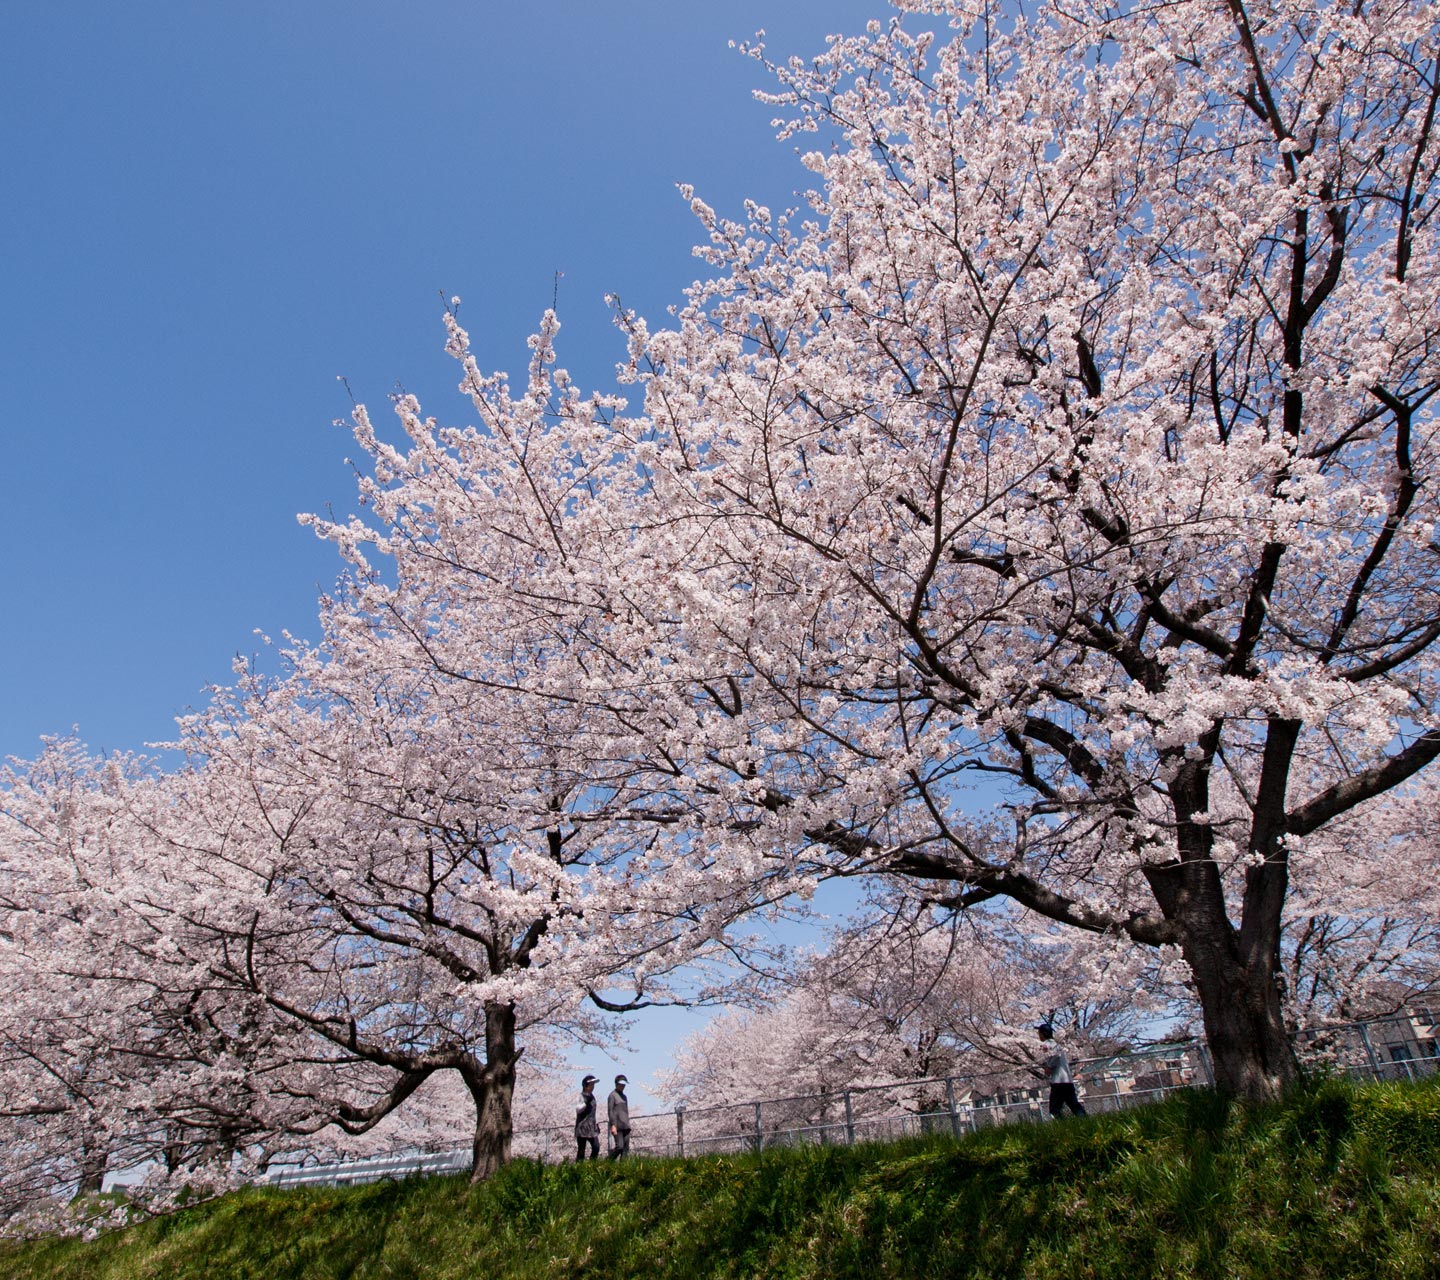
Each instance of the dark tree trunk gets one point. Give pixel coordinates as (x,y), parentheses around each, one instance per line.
(1236,971)
(1244,1021)
(93,1161)
(493,1088)
(174,1150)
(220,1147)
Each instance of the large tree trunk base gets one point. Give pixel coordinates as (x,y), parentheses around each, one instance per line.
(1245,1030)
(493,1089)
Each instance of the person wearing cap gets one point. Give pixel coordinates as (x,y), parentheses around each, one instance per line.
(1057,1067)
(617,1108)
(587,1123)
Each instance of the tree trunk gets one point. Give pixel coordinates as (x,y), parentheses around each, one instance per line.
(493,1088)
(1244,1022)
(1235,970)
(174,1150)
(213,1150)
(93,1161)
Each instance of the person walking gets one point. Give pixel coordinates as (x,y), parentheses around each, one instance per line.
(587,1121)
(1057,1067)
(617,1110)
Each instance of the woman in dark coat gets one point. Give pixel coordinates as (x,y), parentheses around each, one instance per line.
(587,1122)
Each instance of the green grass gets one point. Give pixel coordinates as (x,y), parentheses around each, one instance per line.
(1336,1182)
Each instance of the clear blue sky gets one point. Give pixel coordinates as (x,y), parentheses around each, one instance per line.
(210,211)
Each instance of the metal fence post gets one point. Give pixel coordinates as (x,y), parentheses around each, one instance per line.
(950,1105)
(1369,1053)
(1202,1054)
(759,1133)
(680,1129)
(849,1120)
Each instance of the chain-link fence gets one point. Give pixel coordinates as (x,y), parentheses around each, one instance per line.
(952,1105)
(1397,1048)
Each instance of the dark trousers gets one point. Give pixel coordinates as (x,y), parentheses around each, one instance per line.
(592,1143)
(1062,1096)
(620,1144)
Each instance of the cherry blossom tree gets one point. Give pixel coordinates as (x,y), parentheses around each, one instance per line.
(113,1052)
(420,842)
(447,826)
(364,879)
(1075,441)
(415,873)
(1374,949)
(51,1066)
(899,995)
(1080,435)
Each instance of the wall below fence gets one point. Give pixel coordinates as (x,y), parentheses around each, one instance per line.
(1401,1048)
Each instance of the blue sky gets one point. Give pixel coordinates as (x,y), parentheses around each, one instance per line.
(210,212)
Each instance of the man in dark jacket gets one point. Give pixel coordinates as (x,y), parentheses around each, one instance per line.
(617,1108)
(587,1122)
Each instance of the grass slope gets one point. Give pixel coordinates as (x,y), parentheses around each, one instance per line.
(1336,1182)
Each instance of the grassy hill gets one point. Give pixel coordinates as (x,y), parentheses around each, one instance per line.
(1338,1181)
